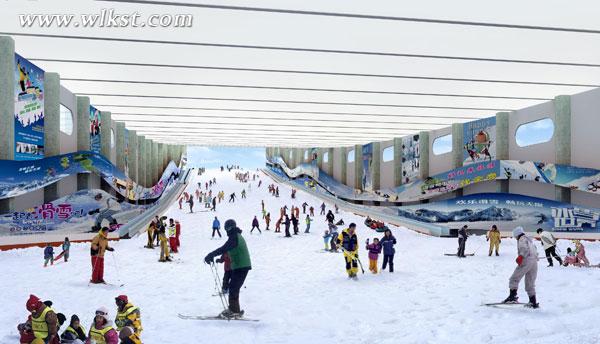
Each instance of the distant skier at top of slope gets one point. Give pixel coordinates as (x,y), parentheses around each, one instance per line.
(527,261)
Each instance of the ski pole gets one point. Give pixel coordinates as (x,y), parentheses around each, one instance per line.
(224,302)
(116,267)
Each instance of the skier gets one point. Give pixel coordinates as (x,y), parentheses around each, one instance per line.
(307,220)
(334,236)
(227,272)
(462,240)
(337,209)
(232,198)
(304,205)
(267,220)
(180,202)
(177,233)
(295,224)
(323,208)
(549,245)
(48,255)
(312,211)
(216,226)
(44,321)
(374,251)
(102,331)
(172,232)
(387,243)
(255,225)
(526,267)
(191,202)
(214,204)
(240,266)
(164,246)
(277,191)
(493,236)
(326,238)
(99,246)
(330,218)
(243,193)
(75,331)
(349,243)
(128,315)
(278,226)
(287,226)
(66,247)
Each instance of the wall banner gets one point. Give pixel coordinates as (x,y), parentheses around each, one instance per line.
(367,167)
(479,141)
(95,125)
(410,159)
(29,110)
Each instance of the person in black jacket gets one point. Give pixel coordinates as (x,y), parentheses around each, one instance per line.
(286,222)
(295,224)
(462,240)
(330,217)
(74,331)
(387,242)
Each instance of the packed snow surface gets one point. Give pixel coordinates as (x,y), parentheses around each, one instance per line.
(302,294)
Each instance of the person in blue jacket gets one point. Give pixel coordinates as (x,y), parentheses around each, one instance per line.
(387,242)
(215,227)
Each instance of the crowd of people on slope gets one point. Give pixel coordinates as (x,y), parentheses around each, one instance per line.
(43,325)
(166,236)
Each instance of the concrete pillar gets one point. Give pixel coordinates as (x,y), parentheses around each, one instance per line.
(120,145)
(165,157)
(358,171)
(83,137)
(502,143)
(457,152)
(344,162)
(376,165)
(320,153)
(161,159)
(397,161)
(7,108)
(148,163)
(51,126)
(424,155)
(105,126)
(562,141)
(154,159)
(330,161)
(141,160)
(133,155)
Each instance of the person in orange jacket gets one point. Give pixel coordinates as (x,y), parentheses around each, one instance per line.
(99,247)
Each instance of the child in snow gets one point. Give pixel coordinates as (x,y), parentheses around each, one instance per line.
(102,330)
(580,252)
(307,220)
(326,238)
(74,332)
(48,255)
(334,234)
(571,258)
(374,251)
(66,246)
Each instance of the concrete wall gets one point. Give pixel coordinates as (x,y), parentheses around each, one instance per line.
(350,171)
(337,164)
(443,162)
(386,168)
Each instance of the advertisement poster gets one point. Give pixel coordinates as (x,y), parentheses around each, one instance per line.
(576,178)
(479,141)
(95,124)
(314,156)
(410,159)
(20,177)
(507,211)
(367,162)
(75,213)
(29,110)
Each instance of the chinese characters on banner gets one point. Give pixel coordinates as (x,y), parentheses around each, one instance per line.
(29,110)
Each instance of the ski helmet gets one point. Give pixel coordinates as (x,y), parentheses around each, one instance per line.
(230,225)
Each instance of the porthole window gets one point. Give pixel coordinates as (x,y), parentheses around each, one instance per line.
(112,138)
(351,156)
(535,132)
(388,154)
(442,145)
(326,157)
(305,155)
(66,120)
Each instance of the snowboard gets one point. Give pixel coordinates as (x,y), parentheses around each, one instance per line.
(215,317)
(454,254)
(60,255)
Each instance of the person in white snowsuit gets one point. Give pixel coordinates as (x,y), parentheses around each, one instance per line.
(549,244)
(527,267)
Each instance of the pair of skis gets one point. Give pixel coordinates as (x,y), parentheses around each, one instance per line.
(216,317)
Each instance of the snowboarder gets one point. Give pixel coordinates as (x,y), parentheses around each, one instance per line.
(349,242)
(128,315)
(268,220)
(66,247)
(526,267)
(172,232)
(99,246)
(462,240)
(44,320)
(240,266)
(101,331)
(323,208)
(374,251)
(227,272)
(48,255)
(255,225)
(387,243)
(493,236)
(307,220)
(75,331)
(549,245)
(287,226)
(216,226)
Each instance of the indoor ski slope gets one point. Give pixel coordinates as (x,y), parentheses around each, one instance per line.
(302,295)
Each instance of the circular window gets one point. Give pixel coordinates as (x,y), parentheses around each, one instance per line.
(112,138)
(66,120)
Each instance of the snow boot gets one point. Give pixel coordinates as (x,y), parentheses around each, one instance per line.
(532,303)
(512,297)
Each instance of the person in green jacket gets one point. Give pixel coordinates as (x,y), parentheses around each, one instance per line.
(240,266)
(308,221)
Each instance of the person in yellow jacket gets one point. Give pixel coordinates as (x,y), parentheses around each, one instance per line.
(99,247)
(493,236)
(164,246)
(44,321)
(101,331)
(348,240)
(128,315)
(150,232)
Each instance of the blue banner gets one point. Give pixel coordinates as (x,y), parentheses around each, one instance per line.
(29,110)
(367,168)
(95,125)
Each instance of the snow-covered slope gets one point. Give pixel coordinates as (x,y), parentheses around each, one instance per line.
(302,295)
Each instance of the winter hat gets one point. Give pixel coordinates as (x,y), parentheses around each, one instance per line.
(74,318)
(230,225)
(539,230)
(33,303)
(352,225)
(103,312)
(518,231)
(122,298)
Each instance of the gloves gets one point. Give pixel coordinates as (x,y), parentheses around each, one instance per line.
(519,260)
(219,260)
(208,259)
(110,249)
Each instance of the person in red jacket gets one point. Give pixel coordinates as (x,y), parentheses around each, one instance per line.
(177,232)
